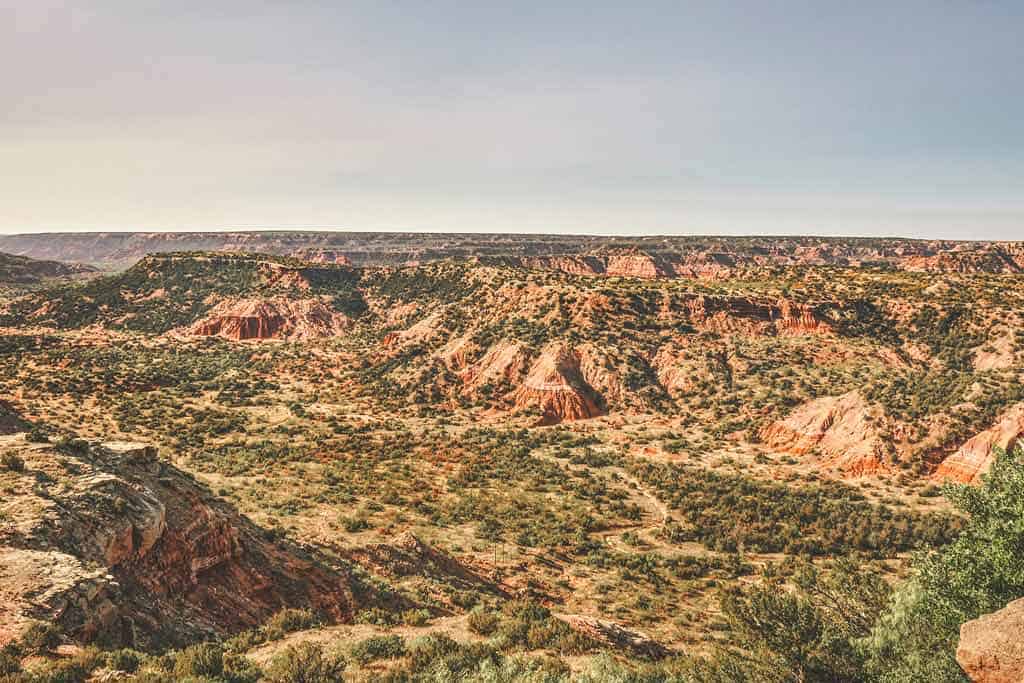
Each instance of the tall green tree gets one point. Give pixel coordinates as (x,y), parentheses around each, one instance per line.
(979,572)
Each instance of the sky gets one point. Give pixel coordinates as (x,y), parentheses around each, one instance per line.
(767,117)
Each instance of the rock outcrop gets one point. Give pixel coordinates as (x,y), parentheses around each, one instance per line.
(273,318)
(676,373)
(838,428)
(796,319)
(600,374)
(991,649)
(109,540)
(975,457)
(424,330)
(749,317)
(633,263)
(613,635)
(501,366)
(556,388)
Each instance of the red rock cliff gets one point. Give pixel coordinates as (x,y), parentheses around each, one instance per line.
(975,457)
(274,318)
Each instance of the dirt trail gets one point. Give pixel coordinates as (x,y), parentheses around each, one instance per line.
(655,514)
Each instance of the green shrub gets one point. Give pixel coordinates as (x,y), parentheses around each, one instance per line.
(305,663)
(63,671)
(37,435)
(354,524)
(205,660)
(39,638)
(378,647)
(240,669)
(288,621)
(483,623)
(12,462)
(415,617)
(376,616)
(446,659)
(980,572)
(9,664)
(126,660)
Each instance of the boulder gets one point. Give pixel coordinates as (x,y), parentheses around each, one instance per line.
(991,648)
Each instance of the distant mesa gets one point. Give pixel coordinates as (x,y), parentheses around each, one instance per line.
(695,257)
(990,259)
(314,255)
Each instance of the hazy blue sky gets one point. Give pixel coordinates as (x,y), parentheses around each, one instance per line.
(659,117)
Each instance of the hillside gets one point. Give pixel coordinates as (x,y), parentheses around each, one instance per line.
(21,270)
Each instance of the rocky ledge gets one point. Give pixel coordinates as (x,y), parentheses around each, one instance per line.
(110,541)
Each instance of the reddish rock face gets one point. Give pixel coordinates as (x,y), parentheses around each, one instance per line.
(220,567)
(991,649)
(556,387)
(502,365)
(238,327)
(836,427)
(633,264)
(795,319)
(975,457)
(275,318)
(139,552)
(744,316)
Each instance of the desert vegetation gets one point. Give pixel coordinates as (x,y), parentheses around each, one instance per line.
(519,471)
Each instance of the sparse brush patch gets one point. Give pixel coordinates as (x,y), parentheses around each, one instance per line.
(205,660)
(12,462)
(126,660)
(482,622)
(377,617)
(354,524)
(378,647)
(9,664)
(415,617)
(40,638)
(305,663)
